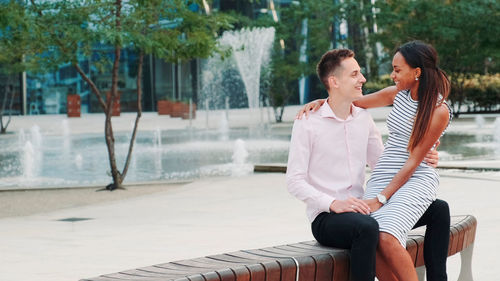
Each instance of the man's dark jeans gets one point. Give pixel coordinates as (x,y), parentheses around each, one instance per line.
(353,231)
(359,233)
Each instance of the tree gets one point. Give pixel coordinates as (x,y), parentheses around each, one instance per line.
(296,52)
(465,34)
(58,32)
(12,36)
(305,31)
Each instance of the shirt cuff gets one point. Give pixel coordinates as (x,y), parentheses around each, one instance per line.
(325,203)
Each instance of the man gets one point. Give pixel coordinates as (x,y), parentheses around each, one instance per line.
(326,169)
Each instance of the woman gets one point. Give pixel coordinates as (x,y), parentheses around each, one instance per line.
(402,186)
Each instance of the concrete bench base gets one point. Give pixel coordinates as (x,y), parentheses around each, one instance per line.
(305,261)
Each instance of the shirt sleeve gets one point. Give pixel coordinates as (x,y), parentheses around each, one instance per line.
(298,166)
(375,146)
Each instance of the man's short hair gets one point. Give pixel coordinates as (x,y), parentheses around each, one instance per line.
(330,62)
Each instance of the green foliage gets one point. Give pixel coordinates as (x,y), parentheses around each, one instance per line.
(482,91)
(286,66)
(465,34)
(52,33)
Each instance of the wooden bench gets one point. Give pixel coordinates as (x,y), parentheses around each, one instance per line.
(305,261)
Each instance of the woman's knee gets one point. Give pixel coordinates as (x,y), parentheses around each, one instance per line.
(387,242)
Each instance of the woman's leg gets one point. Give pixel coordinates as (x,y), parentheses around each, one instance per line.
(437,238)
(383,270)
(397,257)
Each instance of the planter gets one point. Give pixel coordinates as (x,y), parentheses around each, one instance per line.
(164,107)
(73,105)
(180,109)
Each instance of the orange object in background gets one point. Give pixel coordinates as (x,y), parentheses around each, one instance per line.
(73,105)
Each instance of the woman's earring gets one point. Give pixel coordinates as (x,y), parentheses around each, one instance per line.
(416,78)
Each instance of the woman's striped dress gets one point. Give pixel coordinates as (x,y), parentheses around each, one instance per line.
(408,204)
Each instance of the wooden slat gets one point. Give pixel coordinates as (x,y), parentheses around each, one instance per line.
(419,261)
(474,228)
(341,265)
(251,256)
(211,276)
(143,273)
(412,248)
(229,258)
(324,267)
(267,254)
(307,268)
(123,276)
(453,241)
(241,273)
(273,270)
(257,272)
(226,274)
(195,277)
(288,269)
(462,228)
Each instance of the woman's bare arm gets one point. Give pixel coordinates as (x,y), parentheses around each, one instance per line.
(377,99)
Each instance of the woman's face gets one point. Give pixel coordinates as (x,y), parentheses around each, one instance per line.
(403,74)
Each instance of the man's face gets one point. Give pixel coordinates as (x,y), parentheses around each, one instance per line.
(349,79)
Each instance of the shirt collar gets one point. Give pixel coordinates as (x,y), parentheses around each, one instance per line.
(327,112)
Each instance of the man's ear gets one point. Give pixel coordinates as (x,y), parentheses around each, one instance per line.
(333,82)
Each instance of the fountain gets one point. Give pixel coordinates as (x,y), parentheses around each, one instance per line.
(479,119)
(223,127)
(240,154)
(251,50)
(66,135)
(157,147)
(28,162)
(79,161)
(496,130)
(35,147)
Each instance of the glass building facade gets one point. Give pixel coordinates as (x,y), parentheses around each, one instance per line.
(46,93)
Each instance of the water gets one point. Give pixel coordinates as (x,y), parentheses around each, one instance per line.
(251,50)
(158,155)
(241,73)
(34,159)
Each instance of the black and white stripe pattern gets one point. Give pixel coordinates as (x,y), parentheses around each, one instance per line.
(409,203)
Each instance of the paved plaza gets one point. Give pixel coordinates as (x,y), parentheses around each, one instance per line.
(42,238)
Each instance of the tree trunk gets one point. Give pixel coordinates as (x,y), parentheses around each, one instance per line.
(139,113)
(8,97)
(108,128)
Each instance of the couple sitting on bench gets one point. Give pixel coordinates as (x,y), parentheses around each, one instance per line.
(331,147)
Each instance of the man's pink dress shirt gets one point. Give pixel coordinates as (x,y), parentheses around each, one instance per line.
(328,157)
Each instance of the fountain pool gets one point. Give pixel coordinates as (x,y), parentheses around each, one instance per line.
(32,159)
(81,159)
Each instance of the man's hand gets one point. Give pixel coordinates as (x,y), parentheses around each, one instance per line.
(432,157)
(373,203)
(352,204)
(314,106)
